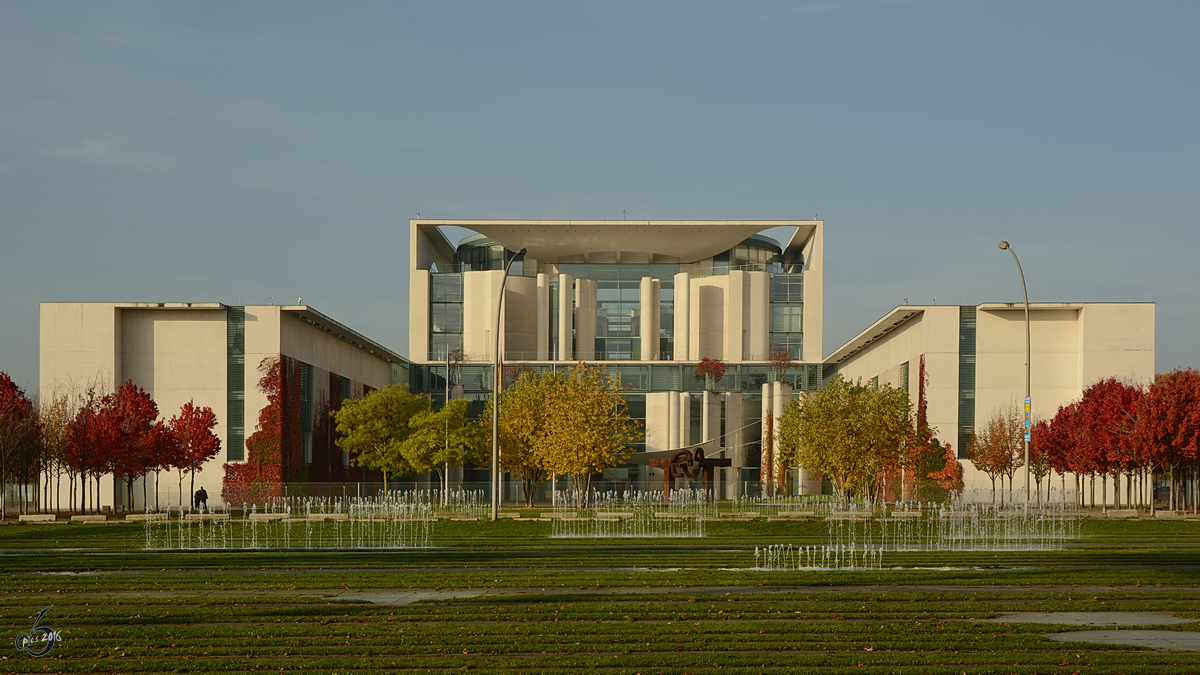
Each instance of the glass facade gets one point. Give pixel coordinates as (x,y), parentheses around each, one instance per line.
(756,253)
(966,378)
(619,342)
(445,314)
(618,305)
(666,320)
(479,253)
(787,312)
(235,384)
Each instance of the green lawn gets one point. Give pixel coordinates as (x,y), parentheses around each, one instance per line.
(554,605)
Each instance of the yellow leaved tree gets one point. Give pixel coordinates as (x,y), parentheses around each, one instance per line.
(524,410)
(850,432)
(588,425)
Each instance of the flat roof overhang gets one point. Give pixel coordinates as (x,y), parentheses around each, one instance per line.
(678,240)
(318,320)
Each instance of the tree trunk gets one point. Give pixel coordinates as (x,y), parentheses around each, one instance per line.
(1195,488)
(1152,504)
(3,492)
(192,486)
(1171,483)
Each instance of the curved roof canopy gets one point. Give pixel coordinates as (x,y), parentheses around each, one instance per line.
(555,240)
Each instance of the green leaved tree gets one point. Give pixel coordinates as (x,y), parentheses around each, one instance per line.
(375,427)
(442,438)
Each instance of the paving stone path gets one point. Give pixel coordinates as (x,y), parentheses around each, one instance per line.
(1168,640)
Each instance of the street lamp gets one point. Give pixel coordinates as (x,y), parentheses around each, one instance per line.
(1028,402)
(496,395)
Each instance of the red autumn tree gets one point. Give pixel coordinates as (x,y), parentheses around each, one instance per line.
(20,437)
(195,441)
(711,371)
(1057,439)
(1039,458)
(136,441)
(260,477)
(1104,421)
(1167,431)
(928,474)
(781,360)
(950,478)
(86,447)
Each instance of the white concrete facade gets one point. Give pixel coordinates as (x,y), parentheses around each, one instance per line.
(179,352)
(1073,345)
(685,290)
(719,313)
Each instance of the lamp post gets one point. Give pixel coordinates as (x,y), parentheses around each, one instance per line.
(499,378)
(1028,401)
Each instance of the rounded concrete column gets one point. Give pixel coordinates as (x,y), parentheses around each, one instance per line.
(672,420)
(734,448)
(566,305)
(648,308)
(783,393)
(585,319)
(685,419)
(683,294)
(543,317)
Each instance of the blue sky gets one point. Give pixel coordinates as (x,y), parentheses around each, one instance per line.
(236,152)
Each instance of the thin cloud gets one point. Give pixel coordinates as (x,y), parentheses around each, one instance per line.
(115,151)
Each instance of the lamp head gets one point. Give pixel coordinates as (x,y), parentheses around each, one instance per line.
(1004,245)
(522,251)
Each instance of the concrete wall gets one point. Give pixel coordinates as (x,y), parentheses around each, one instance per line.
(814,295)
(178,354)
(78,346)
(1073,345)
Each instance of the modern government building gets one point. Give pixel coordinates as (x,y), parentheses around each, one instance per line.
(647,300)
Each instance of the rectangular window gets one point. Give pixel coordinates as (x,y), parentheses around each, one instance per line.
(787,313)
(235,384)
(445,314)
(966,378)
(787,288)
(904,376)
(306,397)
(445,317)
(787,318)
(445,288)
(793,342)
